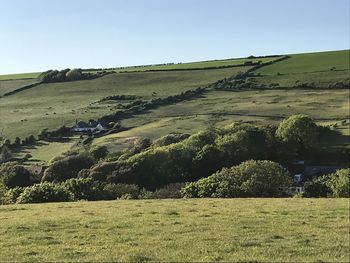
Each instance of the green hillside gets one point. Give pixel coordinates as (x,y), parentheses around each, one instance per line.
(55,104)
(310,62)
(52,105)
(227,230)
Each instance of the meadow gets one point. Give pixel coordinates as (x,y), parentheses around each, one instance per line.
(55,104)
(310,62)
(52,105)
(218,108)
(201,230)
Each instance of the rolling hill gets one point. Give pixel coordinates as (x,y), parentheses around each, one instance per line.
(51,105)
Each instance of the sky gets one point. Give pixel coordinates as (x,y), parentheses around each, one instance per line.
(37,35)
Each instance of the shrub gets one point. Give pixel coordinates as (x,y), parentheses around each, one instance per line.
(249,179)
(169,191)
(339,183)
(67,168)
(45,192)
(5,154)
(11,195)
(83,188)
(115,191)
(99,152)
(13,175)
(299,130)
(331,185)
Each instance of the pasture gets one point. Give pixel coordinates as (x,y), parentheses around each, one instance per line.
(217,108)
(196,230)
(55,104)
(310,62)
(31,75)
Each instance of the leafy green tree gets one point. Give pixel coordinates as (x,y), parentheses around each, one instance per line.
(67,168)
(299,130)
(249,179)
(331,185)
(5,154)
(45,192)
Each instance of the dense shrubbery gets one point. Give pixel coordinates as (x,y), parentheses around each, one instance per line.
(159,169)
(13,175)
(69,75)
(67,168)
(249,179)
(45,192)
(332,185)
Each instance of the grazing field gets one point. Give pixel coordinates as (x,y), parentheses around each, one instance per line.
(310,62)
(10,85)
(217,108)
(273,230)
(31,75)
(197,65)
(55,104)
(321,79)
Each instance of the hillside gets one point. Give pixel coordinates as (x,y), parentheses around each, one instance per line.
(301,83)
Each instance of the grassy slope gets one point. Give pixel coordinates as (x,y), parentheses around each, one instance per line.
(31,75)
(52,105)
(183,66)
(10,85)
(310,62)
(310,67)
(217,108)
(279,230)
(194,65)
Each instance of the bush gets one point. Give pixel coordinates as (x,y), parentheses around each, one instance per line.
(67,168)
(11,195)
(331,185)
(5,154)
(99,152)
(45,192)
(13,175)
(299,130)
(169,191)
(249,179)
(83,188)
(115,191)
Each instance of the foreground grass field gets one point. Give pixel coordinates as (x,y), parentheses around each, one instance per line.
(271,230)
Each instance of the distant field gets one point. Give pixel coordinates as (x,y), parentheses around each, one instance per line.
(321,79)
(217,108)
(10,85)
(208,230)
(310,62)
(198,65)
(56,104)
(31,75)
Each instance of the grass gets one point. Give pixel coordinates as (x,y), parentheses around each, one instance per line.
(201,230)
(217,108)
(197,65)
(31,75)
(56,104)
(44,151)
(310,62)
(10,85)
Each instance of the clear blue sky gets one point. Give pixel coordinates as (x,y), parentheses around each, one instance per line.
(37,35)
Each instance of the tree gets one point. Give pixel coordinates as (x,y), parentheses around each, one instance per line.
(45,192)
(67,168)
(331,185)
(13,175)
(74,74)
(5,154)
(299,130)
(249,179)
